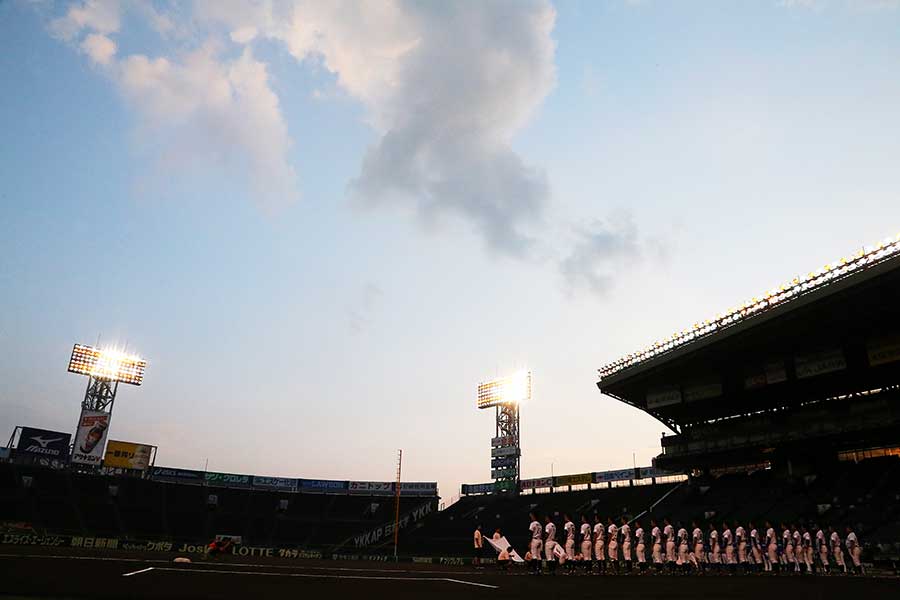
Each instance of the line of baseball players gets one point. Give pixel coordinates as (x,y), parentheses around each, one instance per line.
(606,546)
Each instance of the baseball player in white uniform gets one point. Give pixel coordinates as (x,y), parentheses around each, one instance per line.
(771,548)
(550,544)
(806,543)
(756,551)
(640,548)
(787,558)
(625,532)
(836,550)
(586,543)
(698,556)
(599,543)
(855,551)
(822,548)
(728,546)
(536,544)
(656,536)
(612,545)
(569,528)
(671,554)
(740,541)
(797,540)
(714,550)
(683,550)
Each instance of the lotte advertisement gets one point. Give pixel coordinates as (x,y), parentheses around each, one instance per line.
(90,437)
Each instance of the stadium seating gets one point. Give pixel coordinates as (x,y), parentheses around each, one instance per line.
(65,502)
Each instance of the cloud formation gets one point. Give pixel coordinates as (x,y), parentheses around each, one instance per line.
(446,84)
(600,253)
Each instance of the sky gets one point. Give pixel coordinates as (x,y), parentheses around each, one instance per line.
(324,223)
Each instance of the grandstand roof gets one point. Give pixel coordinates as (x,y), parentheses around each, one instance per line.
(800,342)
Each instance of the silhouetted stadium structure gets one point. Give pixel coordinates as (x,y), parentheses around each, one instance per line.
(786,408)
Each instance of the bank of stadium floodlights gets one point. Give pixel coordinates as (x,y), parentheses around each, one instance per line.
(864,258)
(505,395)
(105,369)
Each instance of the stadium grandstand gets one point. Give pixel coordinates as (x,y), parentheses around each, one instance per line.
(785,408)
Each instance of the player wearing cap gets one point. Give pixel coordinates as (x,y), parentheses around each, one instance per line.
(536,544)
(569,528)
(756,554)
(715,558)
(855,551)
(640,549)
(806,543)
(682,540)
(671,554)
(822,550)
(740,542)
(612,545)
(698,555)
(599,543)
(836,550)
(728,546)
(656,535)
(771,548)
(797,540)
(625,531)
(586,543)
(787,542)
(550,544)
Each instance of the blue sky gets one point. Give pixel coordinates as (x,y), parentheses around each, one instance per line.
(323,224)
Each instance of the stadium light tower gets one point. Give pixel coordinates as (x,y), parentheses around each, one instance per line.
(506,395)
(105,370)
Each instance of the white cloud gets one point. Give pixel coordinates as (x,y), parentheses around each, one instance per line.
(600,252)
(447,86)
(202,108)
(100,48)
(101,16)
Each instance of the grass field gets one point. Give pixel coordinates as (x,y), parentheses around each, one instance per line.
(49,575)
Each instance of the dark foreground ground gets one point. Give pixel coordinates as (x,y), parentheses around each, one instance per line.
(49,575)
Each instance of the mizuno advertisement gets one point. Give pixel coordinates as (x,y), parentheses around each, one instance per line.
(43,443)
(91,437)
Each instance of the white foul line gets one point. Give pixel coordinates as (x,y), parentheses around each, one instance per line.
(323,576)
(138,572)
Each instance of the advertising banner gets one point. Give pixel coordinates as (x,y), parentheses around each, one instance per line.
(702,391)
(322,486)
(127,455)
(810,365)
(178,475)
(664,397)
(90,437)
(275,483)
(648,472)
(43,443)
(617,475)
(371,488)
(503,473)
(418,488)
(477,488)
(883,351)
(579,479)
(540,482)
(227,480)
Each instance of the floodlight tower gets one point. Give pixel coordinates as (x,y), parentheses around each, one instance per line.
(105,369)
(505,395)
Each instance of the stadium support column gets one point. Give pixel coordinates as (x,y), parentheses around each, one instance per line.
(100,394)
(506,445)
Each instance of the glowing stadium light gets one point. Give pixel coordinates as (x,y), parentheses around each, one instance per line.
(861,259)
(512,389)
(107,364)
